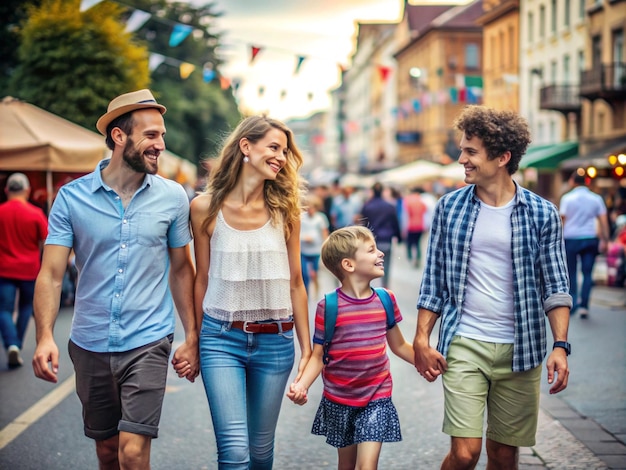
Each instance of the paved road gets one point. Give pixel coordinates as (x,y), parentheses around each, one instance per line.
(582,428)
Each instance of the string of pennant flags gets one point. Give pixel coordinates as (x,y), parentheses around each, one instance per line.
(179,32)
(466,89)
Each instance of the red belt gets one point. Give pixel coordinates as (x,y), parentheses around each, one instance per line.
(253,327)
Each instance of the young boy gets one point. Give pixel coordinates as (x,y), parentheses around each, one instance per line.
(356,413)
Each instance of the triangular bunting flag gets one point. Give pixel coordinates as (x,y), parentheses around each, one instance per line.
(224,83)
(179,34)
(208,74)
(155,60)
(384,72)
(185,70)
(300,59)
(283,94)
(261,90)
(87,4)
(137,20)
(236,82)
(309,95)
(255,51)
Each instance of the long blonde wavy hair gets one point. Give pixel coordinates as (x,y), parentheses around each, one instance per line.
(283,196)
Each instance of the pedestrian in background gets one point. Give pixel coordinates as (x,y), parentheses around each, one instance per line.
(346,207)
(415,211)
(313,232)
(586,233)
(356,413)
(249,292)
(129,230)
(381,218)
(495,269)
(23,228)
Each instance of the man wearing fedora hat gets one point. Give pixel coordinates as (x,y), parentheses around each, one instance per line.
(129,229)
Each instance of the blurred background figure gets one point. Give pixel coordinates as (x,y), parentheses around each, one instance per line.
(345,208)
(616,254)
(381,218)
(23,228)
(313,231)
(324,193)
(415,212)
(586,233)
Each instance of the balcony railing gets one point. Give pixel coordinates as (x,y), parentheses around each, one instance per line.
(563,98)
(607,81)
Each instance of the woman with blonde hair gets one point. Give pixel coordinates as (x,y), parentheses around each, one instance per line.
(248,292)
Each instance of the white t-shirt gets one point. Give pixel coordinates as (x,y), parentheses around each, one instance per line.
(488,309)
(312,232)
(581,207)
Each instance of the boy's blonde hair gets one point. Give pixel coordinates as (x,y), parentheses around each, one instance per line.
(343,243)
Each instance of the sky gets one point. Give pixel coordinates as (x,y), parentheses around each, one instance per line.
(321,31)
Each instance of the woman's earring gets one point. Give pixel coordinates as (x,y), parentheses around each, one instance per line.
(246,159)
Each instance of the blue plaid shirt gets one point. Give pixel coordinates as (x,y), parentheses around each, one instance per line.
(540,279)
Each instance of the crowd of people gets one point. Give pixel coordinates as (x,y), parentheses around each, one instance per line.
(500,264)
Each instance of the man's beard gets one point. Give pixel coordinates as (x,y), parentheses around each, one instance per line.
(136,161)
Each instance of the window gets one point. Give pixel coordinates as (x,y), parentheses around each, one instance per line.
(581,9)
(553,71)
(619,71)
(596,51)
(553,17)
(566,71)
(531,27)
(581,60)
(471,56)
(542,22)
(553,137)
(566,16)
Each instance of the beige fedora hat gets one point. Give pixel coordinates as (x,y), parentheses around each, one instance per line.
(126,103)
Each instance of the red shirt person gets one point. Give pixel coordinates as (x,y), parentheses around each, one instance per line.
(23,228)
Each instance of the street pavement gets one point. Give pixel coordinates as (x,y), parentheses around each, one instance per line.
(584,427)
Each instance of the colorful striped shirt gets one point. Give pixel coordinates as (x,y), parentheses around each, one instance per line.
(540,279)
(358,371)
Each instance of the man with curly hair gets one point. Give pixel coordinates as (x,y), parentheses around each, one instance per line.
(495,268)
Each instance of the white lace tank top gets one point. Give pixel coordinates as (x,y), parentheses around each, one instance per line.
(248,274)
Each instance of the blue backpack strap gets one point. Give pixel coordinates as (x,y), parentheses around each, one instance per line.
(385,298)
(330,318)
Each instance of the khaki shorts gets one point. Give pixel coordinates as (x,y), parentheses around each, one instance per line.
(121,391)
(479,374)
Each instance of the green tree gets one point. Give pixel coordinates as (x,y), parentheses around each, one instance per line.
(72,63)
(12,13)
(199,113)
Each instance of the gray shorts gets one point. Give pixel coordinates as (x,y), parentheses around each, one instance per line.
(121,391)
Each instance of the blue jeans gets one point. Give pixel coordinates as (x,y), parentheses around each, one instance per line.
(309,263)
(13,333)
(244,377)
(586,249)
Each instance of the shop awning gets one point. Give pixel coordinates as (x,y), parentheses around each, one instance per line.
(548,157)
(598,157)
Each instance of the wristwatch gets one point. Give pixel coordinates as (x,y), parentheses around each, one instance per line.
(563,344)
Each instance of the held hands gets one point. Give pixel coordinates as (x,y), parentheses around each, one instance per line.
(186,362)
(557,364)
(297,394)
(429,362)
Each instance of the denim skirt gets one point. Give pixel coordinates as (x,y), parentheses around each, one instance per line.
(345,425)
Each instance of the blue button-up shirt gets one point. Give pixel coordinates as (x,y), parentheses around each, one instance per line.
(123,300)
(540,279)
